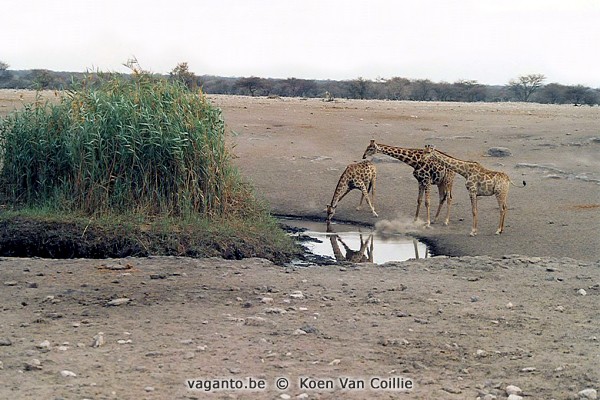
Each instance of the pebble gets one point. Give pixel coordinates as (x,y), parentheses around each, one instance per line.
(149,389)
(297,294)
(5,342)
(299,332)
(67,374)
(581,292)
(118,302)
(285,396)
(45,345)
(589,394)
(335,362)
(275,310)
(98,340)
(512,389)
(499,152)
(33,365)
(528,369)
(514,397)
(266,300)
(509,305)
(11,283)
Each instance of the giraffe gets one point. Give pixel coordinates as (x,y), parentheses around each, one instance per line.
(425,172)
(360,176)
(480,181)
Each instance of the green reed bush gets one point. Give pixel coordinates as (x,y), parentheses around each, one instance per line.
(125,144)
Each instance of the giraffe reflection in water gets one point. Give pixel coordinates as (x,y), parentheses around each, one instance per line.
(365,252)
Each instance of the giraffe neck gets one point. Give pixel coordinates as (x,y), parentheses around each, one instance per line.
(337,193)
(464,168)
(408,156)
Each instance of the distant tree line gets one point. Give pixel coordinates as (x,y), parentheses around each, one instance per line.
(529,88)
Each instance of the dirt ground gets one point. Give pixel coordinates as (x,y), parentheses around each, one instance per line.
(455,328)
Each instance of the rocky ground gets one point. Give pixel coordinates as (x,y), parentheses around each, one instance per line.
(467,327)
(457,328)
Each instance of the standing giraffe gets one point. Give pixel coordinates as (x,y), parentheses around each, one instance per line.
(480,182)
(360,176)
(426,172)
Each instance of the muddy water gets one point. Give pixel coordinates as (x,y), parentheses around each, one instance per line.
(347,242)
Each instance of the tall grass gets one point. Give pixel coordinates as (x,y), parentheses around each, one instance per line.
(127,144)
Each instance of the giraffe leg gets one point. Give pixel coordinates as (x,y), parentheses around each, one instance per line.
(359,207)
(501,197)
(366,194)
(373,189)
(427,203)
(473,196)
(448,204)
(443,193)
(419,200)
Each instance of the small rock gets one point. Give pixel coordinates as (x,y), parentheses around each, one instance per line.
(123,341)
(499,152)
(559,308)
(189,355)
(118,302)
(62,348)
(266,300)
(297,294)
(509,305)
(581,292)
(514,397)
(67,374)
(5,342)
(481,353)
(32,285)
(285,396)
(335,362)
(11,283)
(275,310)
(590,394)
(45,345)
(474,299)
(33,365)
(299,332)
(149,389)
(528,369)
(98,340)
(512,389)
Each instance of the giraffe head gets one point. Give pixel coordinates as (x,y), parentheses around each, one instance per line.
(371,149)
(429,149)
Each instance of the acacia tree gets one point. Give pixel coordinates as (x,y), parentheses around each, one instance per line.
(524,86)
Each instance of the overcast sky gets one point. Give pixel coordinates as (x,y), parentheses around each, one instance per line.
(491,41)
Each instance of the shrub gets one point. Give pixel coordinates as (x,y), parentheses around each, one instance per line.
(126,144)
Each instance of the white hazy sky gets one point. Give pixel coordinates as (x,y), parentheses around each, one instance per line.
(491,41)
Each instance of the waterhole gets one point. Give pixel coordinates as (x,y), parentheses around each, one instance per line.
(347,242)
